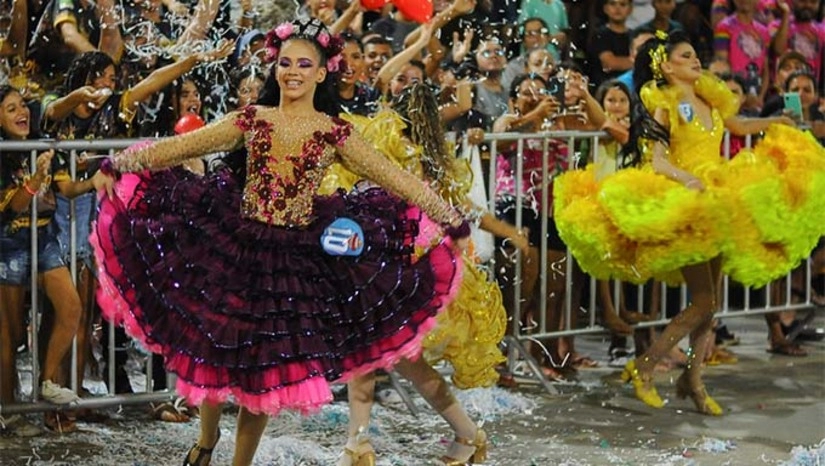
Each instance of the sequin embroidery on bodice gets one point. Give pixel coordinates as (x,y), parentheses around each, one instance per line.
(693,146)
(288,156)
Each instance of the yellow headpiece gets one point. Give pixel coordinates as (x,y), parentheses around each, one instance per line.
(658,55)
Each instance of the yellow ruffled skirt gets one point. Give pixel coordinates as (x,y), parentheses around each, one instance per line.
(762,213)
(469,331)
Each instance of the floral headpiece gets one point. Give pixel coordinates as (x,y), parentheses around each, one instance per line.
(309,29)
(658,55)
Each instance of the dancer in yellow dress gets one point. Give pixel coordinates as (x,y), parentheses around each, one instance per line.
(469,330)
(681,212)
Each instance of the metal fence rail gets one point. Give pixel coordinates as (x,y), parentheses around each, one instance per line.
(515,341)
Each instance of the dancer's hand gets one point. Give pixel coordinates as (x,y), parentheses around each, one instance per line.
(102,181)
(522,241)
(461,244)
(695,184)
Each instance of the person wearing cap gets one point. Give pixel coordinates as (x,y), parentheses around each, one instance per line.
(790,62)
(249,45)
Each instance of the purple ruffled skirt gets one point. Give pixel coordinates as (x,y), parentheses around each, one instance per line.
(260,312)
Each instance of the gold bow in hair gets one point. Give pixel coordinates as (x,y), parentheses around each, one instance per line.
(658,55)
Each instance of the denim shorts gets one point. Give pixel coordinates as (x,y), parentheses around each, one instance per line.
(15,254)
(84,211)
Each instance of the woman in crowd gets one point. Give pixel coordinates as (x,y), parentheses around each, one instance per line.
(19,183)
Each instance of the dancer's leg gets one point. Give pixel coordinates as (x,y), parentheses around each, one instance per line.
(700,282)
(248,436)
(361,394)
(701,339)
(210,415)
(434,389)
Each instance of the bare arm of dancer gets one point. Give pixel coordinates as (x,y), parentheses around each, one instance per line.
(744,126)
(360,157)
(662,164)
(220,136)
(502,229)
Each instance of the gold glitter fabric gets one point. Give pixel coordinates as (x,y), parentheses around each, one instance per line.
(471,327)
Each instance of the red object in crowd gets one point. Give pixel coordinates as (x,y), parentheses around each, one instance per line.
(419,11)
(373,4)
(189,122)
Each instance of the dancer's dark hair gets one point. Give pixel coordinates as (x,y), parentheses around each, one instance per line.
(647,68)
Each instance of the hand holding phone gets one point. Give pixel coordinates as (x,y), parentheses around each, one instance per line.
(793,105)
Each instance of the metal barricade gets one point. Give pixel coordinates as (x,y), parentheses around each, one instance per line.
(515,341)
(518,339)
(73,148)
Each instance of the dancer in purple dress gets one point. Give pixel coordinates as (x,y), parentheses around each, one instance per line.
(242,287)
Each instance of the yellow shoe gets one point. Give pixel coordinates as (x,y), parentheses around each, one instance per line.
(364,457)
(478,456)
(704,403)
(645,391)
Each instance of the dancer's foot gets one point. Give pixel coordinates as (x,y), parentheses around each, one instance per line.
(699,394)
(200,456)
(464,451)
(359,454)
(643,385)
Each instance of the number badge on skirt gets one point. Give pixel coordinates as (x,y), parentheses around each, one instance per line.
(343,237)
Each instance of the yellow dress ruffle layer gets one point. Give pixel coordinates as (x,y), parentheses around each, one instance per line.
(763,212)
(470,329)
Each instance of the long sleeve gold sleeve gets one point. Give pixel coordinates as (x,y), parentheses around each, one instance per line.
(220,136)
(361,157)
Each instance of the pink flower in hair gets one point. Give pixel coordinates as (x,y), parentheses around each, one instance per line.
(284,30)
(271,54)
(323,39)
(334,63)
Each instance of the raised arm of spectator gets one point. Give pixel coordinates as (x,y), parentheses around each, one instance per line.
(392,67)
(435,55)
(162,77)
(15,43)
(462,104)
(65,23)
(779,42)
(347,17)
(456,9)
(595,113)
(202,18)
(248,15)
(58,109)
(111,42)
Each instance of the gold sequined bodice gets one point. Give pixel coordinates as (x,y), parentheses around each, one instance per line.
(288,155)
(693,146)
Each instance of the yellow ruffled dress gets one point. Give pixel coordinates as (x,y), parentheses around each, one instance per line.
(763,212)
(470,329)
